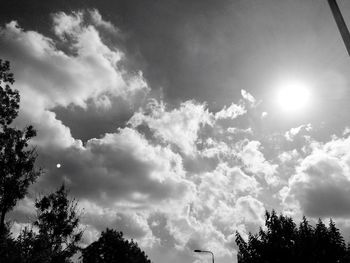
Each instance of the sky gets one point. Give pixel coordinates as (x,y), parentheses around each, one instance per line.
(182,122)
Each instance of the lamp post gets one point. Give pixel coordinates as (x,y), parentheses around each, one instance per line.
(205,251)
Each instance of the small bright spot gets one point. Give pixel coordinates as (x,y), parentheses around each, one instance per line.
(293,96)
(58,165)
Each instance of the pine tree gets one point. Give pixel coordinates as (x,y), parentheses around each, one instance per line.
(337,247)
(304,242)
(283,242)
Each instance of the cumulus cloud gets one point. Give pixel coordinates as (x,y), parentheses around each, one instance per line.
(121,166)
(179,126)
(48,77)
(321,185)
(255,162)
(213,215)
(135,178)
(86,70)
(231,112)
(295,131)
(120,180)
(57,78)
(249,97)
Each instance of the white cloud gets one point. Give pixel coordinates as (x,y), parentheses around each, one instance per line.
(255,162)
(264,115)
(288,156)
(121,167)
(235,130)
(346,131)
(295,131)
(249,97)
(251,210)
(321,184)
(231,112)
(215,149)
(179,126)
(48,77)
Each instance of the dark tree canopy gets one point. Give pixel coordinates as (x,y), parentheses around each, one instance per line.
(111,247)
(9,98)
(283,241)
(9,248)
(57,237)
(59,233)
(17,160)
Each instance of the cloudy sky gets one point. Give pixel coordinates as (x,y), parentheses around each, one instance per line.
(180,122)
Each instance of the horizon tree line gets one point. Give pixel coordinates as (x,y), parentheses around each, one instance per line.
(283,241)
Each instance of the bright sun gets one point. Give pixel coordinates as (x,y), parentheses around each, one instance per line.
(293,96)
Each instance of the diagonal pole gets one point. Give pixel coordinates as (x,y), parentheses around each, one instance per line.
(340,23)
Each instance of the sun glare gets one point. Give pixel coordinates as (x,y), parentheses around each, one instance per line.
(293,96)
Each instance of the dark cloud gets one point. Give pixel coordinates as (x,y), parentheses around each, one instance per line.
(120,166)
(94,122)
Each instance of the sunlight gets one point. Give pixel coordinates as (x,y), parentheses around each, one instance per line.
(293,96)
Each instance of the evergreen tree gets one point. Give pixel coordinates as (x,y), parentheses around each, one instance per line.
(337,248)
(304,242)
(321,242)
(283,242)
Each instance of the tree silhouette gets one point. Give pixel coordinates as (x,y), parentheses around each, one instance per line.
(304,242)
(282,241)
(9,248)
(17,160)
(337,247)
(111,247)
(59,233)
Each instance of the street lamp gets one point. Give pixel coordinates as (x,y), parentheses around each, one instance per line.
(205,251)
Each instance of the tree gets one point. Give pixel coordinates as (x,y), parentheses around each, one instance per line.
(17,160)
(58,222)
(58,225)
(282,241)
(337,247)
(304,242)
(111,247)
(9,249)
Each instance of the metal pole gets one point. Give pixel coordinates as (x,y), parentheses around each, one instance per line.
(212,254)
(340,23)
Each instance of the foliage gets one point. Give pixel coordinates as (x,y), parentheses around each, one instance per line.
(17,160)
(282,241)
(9,248)
(58,230)
(111,247)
